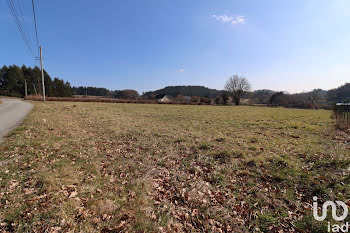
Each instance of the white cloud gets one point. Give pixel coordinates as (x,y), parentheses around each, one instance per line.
(228,19)
(181,70)
(238,19)
(222,18)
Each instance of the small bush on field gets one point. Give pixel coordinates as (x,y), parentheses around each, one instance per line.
(238,154)
(223,157)
(205,146)
(217,179)
(278,177)
(253,148)
(221,139)
(266,221)
(251,163)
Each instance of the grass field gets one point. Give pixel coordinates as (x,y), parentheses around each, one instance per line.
(97,167)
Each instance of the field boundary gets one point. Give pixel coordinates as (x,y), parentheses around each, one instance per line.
(110,100)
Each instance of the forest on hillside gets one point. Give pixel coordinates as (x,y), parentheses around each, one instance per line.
(172,91)
(191,91)
(13,78)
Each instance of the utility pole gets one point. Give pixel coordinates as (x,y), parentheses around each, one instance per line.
(42,72)
(25,88)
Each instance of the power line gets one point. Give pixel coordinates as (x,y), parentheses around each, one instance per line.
(36,30)
(20,9)
(19,26)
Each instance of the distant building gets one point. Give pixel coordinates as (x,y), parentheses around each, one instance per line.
(343,104)
(166,99)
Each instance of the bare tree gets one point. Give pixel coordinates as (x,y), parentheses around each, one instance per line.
(237,86)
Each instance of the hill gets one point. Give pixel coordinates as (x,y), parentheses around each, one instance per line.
(173,91)
(339,94)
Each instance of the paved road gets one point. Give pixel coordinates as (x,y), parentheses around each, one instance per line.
(12,112)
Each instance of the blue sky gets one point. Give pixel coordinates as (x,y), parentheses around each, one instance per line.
(145,45)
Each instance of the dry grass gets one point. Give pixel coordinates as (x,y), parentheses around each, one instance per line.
(92,167)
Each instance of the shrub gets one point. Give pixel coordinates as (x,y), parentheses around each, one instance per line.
(341,118)
(279,99)
(205,146)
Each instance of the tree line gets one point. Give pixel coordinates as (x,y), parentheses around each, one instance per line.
(100,91)
(13,78)
(317,98)
(238,87)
